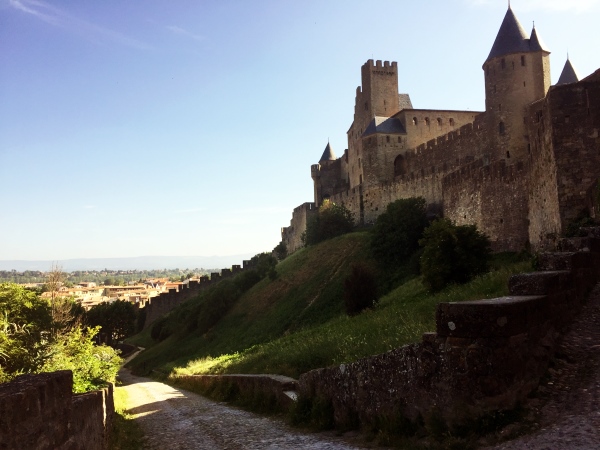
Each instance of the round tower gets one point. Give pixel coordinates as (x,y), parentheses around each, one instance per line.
(517,73)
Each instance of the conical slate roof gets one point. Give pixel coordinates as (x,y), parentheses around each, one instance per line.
(327,154)
(511,37)
(535,43)
(568,75)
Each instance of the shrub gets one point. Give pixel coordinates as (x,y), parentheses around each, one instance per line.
(397,231)
(281,251)
(332,220)
(452,254)
(360,290)
(160,329)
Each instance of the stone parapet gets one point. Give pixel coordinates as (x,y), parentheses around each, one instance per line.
(40,412)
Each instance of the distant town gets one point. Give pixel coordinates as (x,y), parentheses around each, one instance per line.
(90,288)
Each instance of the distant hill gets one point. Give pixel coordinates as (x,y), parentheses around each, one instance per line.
(139,262)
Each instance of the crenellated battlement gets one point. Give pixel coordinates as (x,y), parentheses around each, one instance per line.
(166,301)
(381,64)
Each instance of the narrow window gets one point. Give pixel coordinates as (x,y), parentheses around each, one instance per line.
(451,122)
(427,121)
(359,163)
(360,179)
(513,65)
(387,139)
(507,154)
(439,121)
(524,84)
(415,122)
(501,127)
(522,60)
(399,139)
(528,148)
(366,106)
(503,63)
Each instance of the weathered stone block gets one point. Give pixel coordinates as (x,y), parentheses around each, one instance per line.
(504,316)
(540,283)
(565,260)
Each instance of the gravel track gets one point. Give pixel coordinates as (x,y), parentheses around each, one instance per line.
(177,419)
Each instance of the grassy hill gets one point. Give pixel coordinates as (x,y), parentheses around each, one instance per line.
(296,322)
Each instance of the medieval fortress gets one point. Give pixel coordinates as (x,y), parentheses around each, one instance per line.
(521,170)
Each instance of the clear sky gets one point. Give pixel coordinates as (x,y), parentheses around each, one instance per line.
(180,127)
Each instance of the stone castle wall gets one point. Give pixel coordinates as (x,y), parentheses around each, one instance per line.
(160,305)
(40,412)
(564,131)
(292,235)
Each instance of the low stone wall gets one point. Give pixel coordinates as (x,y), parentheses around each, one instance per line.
(40,412)
(282,390)
(485,355)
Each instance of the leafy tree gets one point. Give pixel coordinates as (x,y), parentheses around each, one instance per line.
(25,324)
(281,251)
(92,366)
(116,320)
(30,342)
(360,289)
(452,254)
(331,220)
(395,236)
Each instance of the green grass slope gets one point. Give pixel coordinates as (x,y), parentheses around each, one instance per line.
(307,291)
(296,323)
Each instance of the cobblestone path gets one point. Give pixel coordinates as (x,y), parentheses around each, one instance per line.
(176,419)
(567,408)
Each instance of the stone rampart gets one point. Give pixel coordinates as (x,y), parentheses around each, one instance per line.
(292,235)
(484,356)
(281,390)
(40,412)
(160,305)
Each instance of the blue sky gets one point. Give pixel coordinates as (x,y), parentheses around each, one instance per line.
(189,127)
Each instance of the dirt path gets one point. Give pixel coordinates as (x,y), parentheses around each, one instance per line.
(566,412)
(176,419)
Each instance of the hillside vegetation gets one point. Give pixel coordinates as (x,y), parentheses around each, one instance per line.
(296,322)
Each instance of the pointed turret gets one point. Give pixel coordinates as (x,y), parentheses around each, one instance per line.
(535,43)
(517,73)
(569,74)
(328,154)
(511,37)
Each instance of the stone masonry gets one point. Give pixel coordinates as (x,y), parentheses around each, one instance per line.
(521,170)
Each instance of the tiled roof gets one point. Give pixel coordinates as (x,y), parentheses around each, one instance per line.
(568,74)
(328,154)
(384,125)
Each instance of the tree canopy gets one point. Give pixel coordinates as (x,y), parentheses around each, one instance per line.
(331,220)
(33,339)
(397,231)
(453,254)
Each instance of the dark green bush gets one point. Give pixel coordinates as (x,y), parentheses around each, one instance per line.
(280,251)
(360,290)
(452,254)
(332,220)
(397,231)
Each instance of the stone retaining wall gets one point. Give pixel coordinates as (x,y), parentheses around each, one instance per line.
(484,356)
(40,412)
(277,387)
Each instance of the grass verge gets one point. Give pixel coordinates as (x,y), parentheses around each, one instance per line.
(126,434)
